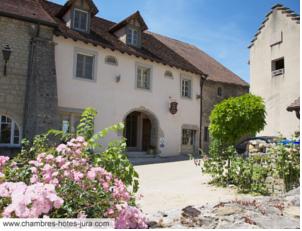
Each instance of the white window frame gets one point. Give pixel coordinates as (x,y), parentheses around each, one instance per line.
(12,133)
(143,66)
(185,78)
(73,20)
(130,40)
(276,72)
(193,134)
(94,65)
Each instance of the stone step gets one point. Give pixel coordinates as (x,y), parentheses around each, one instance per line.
(138,155)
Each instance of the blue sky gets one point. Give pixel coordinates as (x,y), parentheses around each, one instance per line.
(221,28)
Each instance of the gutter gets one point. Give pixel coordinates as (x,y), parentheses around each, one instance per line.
(203,78)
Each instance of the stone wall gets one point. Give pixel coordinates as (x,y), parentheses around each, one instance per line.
(37,92)
(211,98)
(41,98)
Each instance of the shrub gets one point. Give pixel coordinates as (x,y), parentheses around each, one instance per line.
(69,181)
(250,174)
(236,117)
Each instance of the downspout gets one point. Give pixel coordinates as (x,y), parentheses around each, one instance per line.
(203,78)
(34,33)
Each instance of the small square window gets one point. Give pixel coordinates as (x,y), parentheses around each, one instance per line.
(186,88)
(143,78)
(80,20)
(84,66)
(219,91)
(188,137)
(278,67)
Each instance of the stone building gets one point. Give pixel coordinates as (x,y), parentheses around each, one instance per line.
(275,69)
(28,90)
(65,58)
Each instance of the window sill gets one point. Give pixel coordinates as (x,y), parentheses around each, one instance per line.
(186,97)
(84,79)
(143,89)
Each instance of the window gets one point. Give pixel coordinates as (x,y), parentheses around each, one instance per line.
(278,67)
(169,74)
(111,60)
(186,88)
(70,121)
(219,91)
(206,134)
(188,137)
(143,77)
(80,20)
(132,36)
(84,66)
(9,131)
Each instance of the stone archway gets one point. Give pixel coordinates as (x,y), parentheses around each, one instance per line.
(141,130)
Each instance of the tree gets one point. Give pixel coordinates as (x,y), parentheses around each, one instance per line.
(237,117)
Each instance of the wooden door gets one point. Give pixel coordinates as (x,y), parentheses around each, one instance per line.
(146,139)
(131,130)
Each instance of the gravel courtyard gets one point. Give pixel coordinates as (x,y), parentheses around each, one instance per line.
(173,185)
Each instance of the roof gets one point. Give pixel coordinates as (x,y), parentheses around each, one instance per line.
(285,10)
(156,48)
(68,4)
(136,16)
(215,71)
(28,10)
(294,105)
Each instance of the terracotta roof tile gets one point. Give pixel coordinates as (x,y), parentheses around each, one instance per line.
(215,71)
(124,22)
(27,10)
(156,48)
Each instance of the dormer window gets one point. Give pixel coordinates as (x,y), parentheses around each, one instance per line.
(130,30)
(132,36)
(80,20)
(77,14)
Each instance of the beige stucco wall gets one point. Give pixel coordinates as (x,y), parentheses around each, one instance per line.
(114,101)
(279,91)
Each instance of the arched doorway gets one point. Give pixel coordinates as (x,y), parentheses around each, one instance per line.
(141,131)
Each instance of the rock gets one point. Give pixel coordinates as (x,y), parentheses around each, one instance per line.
(277,222)
(226,211)
(293,211)
(293,192)
(189,211)
(274,212)
(152,224)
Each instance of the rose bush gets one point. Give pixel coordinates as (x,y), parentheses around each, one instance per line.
(66,181)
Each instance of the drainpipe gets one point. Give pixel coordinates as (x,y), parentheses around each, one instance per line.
(203,78)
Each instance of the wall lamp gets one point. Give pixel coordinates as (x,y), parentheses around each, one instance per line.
(6,51)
